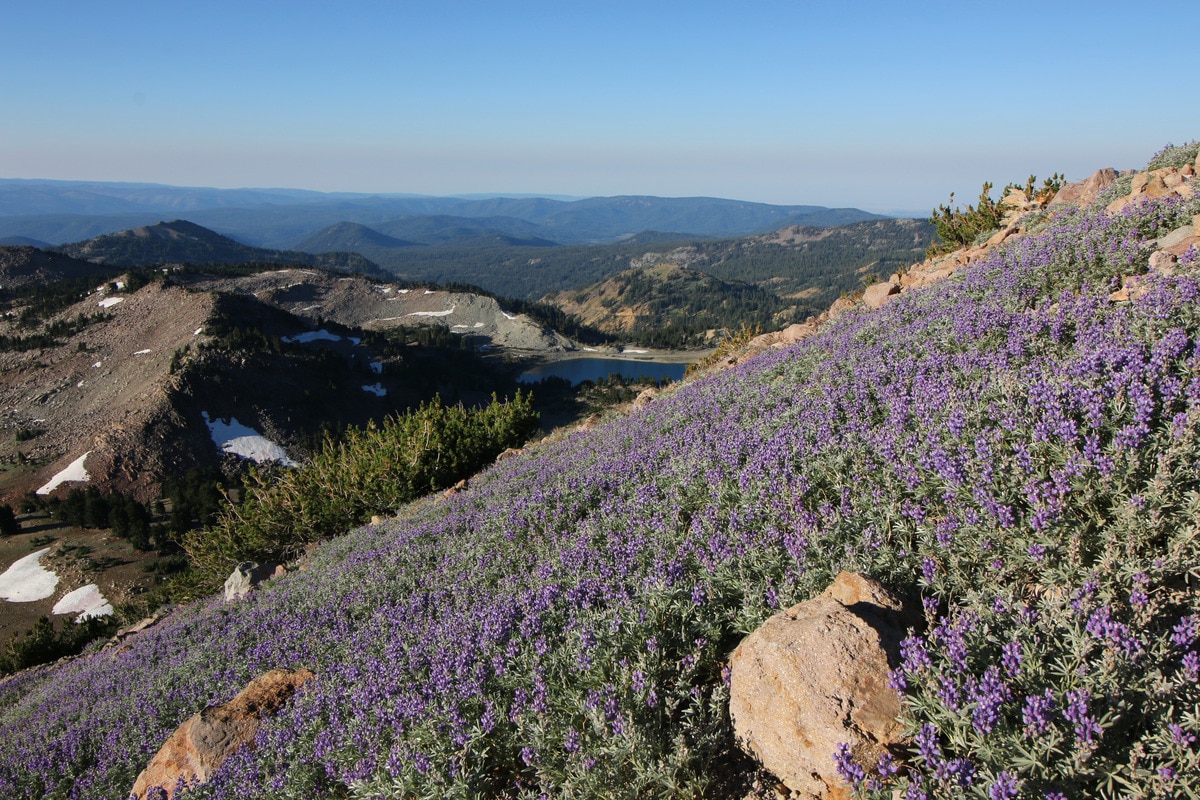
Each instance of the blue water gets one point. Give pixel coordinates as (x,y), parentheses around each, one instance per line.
(578,370)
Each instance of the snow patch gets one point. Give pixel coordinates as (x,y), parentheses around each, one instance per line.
(313,336)
(431,313)
(198,331)
(74,472)
(404,291)
(507,315)
(86,601)
(478,324)
(377,367)
(27,580)
(234,437)
(97,365)
(627,350)
(376,390)
(142,352)
(310,308)
(429,291)
(109,302)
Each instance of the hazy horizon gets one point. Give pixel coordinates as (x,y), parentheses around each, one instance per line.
(877,106)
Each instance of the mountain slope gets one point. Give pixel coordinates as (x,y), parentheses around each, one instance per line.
(663,304)
(127,376)
(1013,445)
(349,237)
(185,242)
(25,265)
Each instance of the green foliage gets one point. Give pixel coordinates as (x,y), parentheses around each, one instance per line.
(727,347)
(8,521)
(958,228)
(44,643)
(368,471)
(88,508)
(50,334)
(961,228)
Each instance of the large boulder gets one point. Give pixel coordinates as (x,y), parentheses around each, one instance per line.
(201,744)
(816,676)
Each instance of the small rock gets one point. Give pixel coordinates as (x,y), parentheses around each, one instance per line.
(245,577)
(508,453)
(200,745)
(645,398)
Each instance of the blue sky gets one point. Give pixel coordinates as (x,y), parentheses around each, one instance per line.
(880,105)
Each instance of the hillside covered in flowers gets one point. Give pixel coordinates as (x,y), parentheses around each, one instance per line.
(1019,445)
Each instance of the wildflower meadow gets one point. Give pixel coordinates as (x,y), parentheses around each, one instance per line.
(1010,445)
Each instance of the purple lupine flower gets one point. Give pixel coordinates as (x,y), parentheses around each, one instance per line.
(1181,736)
(1191,665)
(1078,713)
(1011,658)
(1036,713)
(1005,787)
(989,695)
(1185,632)
(847,768)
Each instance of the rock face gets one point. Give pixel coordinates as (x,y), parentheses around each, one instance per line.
(815,676)
(245,577)
(1085,192)
(201,744)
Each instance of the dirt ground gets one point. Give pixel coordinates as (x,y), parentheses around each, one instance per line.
(78,557)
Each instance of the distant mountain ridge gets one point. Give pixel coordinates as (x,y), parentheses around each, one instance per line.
(63,211)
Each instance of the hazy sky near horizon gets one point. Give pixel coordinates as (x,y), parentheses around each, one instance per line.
(879,105)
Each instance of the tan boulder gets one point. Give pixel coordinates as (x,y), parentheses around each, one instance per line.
(878,293)
(645,398)
(839,307)
(200,745)
(1085,192)
(815,676)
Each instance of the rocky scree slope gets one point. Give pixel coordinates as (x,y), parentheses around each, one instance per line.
(130,390)
(1012,443)
(359,302)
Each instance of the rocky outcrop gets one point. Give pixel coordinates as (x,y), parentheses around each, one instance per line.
(1085,192)
(878,293)
(245,577)
(200,745)
(815,676)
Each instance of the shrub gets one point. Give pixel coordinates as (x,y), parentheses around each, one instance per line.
(8,521)
(958,228)
(368,471)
